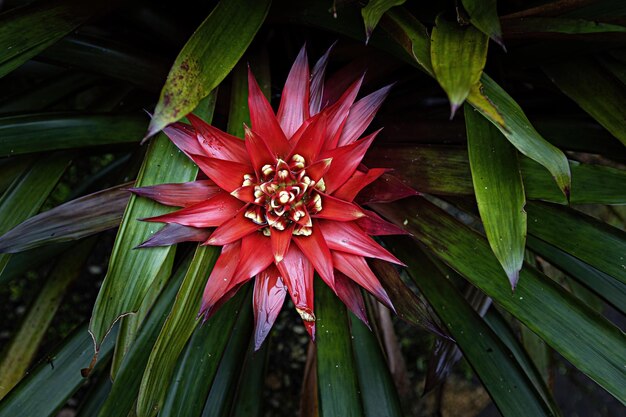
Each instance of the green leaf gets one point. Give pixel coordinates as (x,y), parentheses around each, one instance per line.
(507,384)
(409,306)
(596,91)
(46,93)
(28,30)
(600,283)
(338,387)
(126,385)
(445,170)
(25,342)
(46,389)
(118,295)
(490,99)
(217,344)
(579,334)
(205,61)
(28,192)
(249,395)
(557,25)
(117,60)
(54,131)
(73,220)
(412,36)
(227,378)
(591,184)
(595,243)
(95,397)
(379,394)
(130,324)
(484,15)
(499,192)
(373,11)
(175,332)
(11,168)
(519,131)
(458,56)
(497,323)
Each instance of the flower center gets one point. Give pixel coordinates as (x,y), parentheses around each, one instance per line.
(285,196)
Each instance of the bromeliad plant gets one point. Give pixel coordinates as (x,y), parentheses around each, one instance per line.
(513,251)
(282,201)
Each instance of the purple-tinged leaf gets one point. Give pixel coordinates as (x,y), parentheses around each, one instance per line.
(73,220)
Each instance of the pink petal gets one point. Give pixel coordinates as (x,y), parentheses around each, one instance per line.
(349,190)
(345,161)
(348,237)
(258,151)
(356,268)
(184,137)
(263,120)
(280,241)
(210,213)
(233,229)
(227,174)
(374,225)
(221,275)
(294,103)
(386,189)
(361,115)
(297,273)
(350,294)
(315,249)
(317,82)
(338,210)
(308,143)
(255,256)
(179,195)
(268,299)
(173,233)
(218,144)
(338,113)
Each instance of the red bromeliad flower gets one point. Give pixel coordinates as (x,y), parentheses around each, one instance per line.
(282,201)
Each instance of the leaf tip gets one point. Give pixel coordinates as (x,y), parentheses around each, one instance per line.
(513,278)
(453,108)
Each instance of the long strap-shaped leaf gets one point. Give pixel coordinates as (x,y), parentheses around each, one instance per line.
(46,389)
(502,376)
(26,31)
(175,332)
(207,58)
(378,392)
(70,221)
(120,295)
(28,192)
(56,131)
(200,364)
(612,290)
(496,105)
(499,192)
(446,170)
(338,387)
(25,342)
(595,90)
(578,333)
(596,243)
(224,385)
(126,385)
